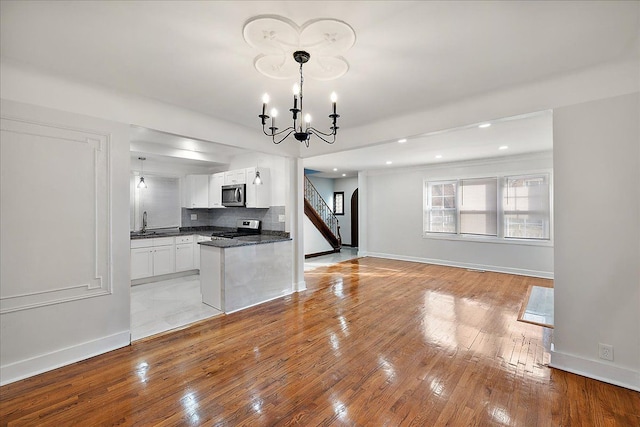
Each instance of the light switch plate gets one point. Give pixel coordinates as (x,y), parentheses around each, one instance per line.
(281,218)
(194,217)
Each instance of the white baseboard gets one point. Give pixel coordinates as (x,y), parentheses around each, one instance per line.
(601,371)
(46,362)
(300,286)
(494,268)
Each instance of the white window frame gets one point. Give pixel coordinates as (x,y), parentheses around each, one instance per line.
(500,238)
(427,207)
(504,187)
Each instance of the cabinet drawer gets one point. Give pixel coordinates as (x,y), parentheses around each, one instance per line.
(141,243)
(184,239)
(164,241)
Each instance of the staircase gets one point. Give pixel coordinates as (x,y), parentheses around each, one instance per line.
(321,215)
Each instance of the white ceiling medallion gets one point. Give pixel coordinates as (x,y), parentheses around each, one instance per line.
(277,37)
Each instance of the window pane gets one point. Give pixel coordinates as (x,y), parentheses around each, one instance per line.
(442,221)
(478,207)
(527,207)
(338,202)
(441,207)
(161,201)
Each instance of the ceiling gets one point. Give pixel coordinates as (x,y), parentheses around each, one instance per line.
(510,136)
(164,147)
(407,56)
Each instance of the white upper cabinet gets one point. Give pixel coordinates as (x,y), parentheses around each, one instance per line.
(238,176)
(216,181)
(197,189)
(258,196)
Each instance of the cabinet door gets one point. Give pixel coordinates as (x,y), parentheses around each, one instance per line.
(164,260)
(197,191)
(258,196)
(216,181)
(141,263)
(184,256)
(235,177)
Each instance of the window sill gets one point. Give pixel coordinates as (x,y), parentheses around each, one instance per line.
(488,239)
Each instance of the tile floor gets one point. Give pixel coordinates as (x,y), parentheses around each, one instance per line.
(169,304)
(345,254)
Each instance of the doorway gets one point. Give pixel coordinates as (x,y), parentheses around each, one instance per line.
(354,219)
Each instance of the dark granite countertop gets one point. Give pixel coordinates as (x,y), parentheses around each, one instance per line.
(267,236)
(244,241)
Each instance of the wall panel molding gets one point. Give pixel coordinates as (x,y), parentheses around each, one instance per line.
(83,157)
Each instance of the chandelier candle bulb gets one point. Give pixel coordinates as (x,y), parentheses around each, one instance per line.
(334,98)
(265,101)
(296,92)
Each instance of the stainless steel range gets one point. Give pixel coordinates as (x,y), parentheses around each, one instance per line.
(244,227)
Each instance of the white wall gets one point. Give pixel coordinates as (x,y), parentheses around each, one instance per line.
(597,232)
(314,241)
(394,212)
(348,186)
(64,287)
(22,83)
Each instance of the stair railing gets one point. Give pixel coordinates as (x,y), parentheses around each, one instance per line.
(317,202)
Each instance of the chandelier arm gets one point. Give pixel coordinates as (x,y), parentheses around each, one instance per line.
(290,128)
(313,131)
(273,137)
(317,132)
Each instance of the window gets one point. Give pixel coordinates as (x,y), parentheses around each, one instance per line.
(473,207)
(479,206)
(526,207)
(441,207)
(338,203)
(161,201)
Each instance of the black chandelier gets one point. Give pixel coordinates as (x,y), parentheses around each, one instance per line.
(302,130)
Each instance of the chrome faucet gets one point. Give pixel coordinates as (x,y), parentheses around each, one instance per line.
(144,222)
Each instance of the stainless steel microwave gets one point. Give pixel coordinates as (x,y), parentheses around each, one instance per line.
(233,195)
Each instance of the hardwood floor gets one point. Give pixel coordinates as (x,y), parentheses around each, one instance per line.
(372,342)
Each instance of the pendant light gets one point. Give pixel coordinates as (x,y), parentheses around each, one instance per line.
(257,180)
(142,184)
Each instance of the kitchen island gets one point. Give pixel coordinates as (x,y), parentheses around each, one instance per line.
(245,271)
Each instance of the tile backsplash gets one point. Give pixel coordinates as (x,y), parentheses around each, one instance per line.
(227,217)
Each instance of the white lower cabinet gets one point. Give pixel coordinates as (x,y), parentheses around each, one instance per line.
(196,250)
(141,263)
(184,253)
(164,260)
(152,257)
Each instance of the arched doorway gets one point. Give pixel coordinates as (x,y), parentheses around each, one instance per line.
(354,219)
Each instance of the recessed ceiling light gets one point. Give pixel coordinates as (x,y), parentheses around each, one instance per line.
(335,169)
(402,141)
(389,162)
(503,147)
(344,174)
(484,125)
(438,156)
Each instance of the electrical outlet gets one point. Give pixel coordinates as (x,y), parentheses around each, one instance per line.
(281,218)
(605,351)
(194,217)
